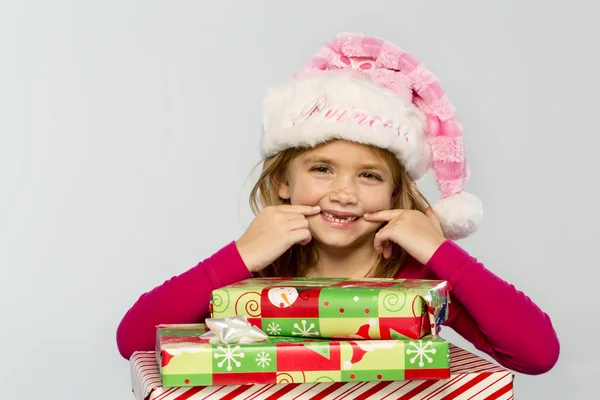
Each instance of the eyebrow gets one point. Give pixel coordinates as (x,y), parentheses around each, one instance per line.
(318,159)
(325,160)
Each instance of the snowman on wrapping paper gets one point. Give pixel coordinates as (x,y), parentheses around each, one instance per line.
(283,297)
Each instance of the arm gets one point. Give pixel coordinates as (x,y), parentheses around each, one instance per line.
(493,315)
(182,299)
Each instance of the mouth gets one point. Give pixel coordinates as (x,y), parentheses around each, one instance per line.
(339,217)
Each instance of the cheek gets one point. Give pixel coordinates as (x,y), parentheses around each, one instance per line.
(377,199)
(307,191)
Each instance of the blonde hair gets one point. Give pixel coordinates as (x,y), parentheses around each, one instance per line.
(296,261)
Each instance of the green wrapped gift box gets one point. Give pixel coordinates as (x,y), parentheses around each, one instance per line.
(186,359)
(337,308)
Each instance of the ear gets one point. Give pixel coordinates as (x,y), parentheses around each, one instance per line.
(283,189)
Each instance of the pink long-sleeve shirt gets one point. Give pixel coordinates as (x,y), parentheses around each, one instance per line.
(487,311)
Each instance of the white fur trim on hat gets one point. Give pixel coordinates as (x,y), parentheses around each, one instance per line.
(313,109)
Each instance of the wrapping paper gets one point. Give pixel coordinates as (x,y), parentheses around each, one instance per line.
(471,377)
(188,358)
(337,308)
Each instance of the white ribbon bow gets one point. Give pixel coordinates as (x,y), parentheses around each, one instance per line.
(232,330)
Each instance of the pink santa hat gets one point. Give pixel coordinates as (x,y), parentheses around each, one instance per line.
(369,91)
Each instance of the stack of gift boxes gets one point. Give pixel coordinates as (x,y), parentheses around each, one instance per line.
(298,330)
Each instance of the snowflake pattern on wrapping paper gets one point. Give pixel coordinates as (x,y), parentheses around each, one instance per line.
(420,350)
(229,355)
(263,359)
(304,330)
(274,329)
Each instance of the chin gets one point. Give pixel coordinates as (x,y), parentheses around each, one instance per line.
(338,244)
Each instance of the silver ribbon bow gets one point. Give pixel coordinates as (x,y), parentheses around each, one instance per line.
(232,330)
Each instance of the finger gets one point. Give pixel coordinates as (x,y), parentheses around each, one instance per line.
(301,236)
(306,241)
(380,238)
(300,209)
(297,223)
(434,219)
(383,215)
(289,216)
(387,249)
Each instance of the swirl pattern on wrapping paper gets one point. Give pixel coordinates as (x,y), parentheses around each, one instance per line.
(248,303)
(394,302)
(304,296)
(284,377)
(219,302)
(324,379)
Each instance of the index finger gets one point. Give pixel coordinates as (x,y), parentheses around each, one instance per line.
(383,215)
(300,209)
(434,219)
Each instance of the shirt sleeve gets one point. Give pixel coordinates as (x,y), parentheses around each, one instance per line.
(493,315)
(182,299)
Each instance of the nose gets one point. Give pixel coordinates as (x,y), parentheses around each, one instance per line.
(344,196)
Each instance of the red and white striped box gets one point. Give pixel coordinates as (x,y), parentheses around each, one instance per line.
(471,377)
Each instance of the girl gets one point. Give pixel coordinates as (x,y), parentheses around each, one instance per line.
(344,142)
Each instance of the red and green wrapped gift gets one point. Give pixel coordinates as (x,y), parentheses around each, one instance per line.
(187,358)
(369,308)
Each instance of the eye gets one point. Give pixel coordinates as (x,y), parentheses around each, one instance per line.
(371,176)
(321,169)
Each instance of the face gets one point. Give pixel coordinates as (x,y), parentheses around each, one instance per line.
(346,180)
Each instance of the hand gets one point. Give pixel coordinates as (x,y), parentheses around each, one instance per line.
(273,232)
(420,234)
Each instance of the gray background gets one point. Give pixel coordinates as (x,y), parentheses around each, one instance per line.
(128,130)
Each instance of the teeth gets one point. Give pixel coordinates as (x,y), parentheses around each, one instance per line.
(338,220)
